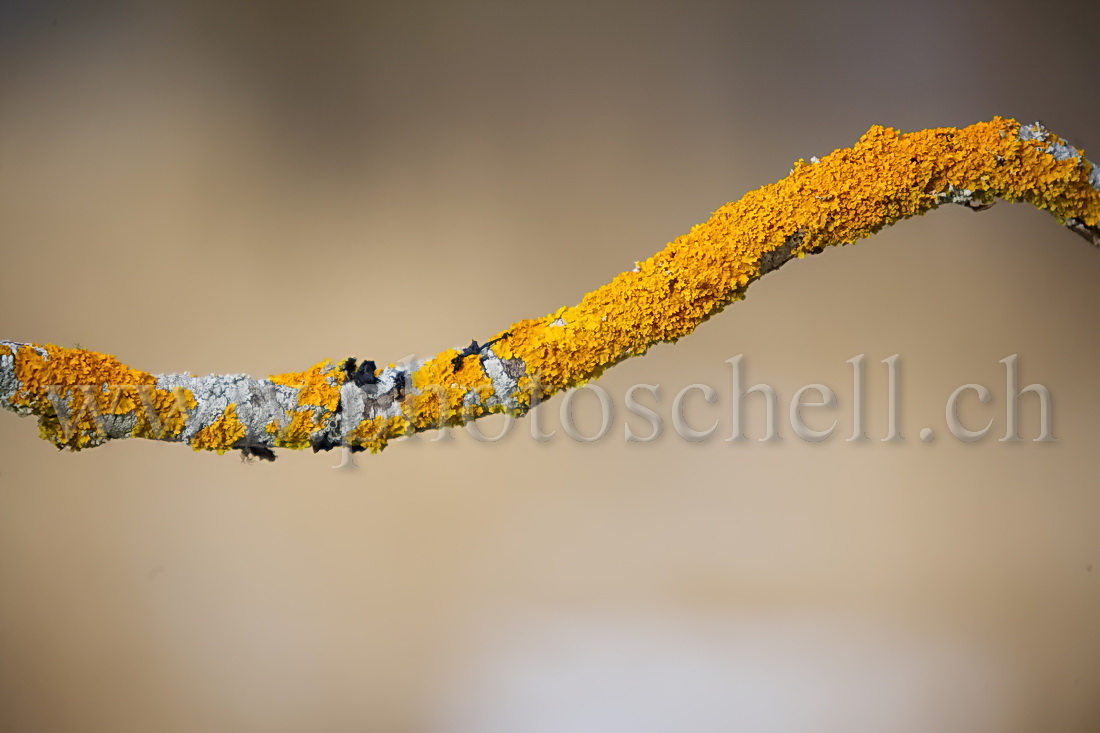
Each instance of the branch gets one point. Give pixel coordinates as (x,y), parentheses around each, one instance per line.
(83,399)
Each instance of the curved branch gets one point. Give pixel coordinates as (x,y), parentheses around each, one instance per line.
(83,398)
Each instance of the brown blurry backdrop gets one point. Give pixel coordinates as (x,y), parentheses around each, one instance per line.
(253,187)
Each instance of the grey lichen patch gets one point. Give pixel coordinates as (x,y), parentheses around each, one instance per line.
(504,382)
(9,384)
(259,402)
(1034,131)
(390,380)
(119,426)
(267,403)
(353,407)
(1059,150)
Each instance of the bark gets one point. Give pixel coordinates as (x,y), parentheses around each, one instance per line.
(82,398)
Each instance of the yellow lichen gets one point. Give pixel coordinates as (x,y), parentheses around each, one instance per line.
(374,433)
(221,434)
(846,196)
(163,413)
(313,384)
(90,385)
(296,433)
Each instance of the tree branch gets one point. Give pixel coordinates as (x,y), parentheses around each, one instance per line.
(83,399)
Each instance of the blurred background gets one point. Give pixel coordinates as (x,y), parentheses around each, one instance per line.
(253,187)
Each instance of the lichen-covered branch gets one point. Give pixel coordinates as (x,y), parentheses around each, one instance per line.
(83,398)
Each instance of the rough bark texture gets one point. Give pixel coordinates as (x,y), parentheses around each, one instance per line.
(83,398)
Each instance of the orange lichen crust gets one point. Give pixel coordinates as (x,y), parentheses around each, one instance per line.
(318,386)
(91,389)
(373,434)
(318,397)
(846,196)
(221,434)
(295,434)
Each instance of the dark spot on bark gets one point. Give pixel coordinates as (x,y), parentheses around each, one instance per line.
(470,350)
(474,349)
(361,375)
(1091,234)
(364,375)
(250,451)
(382,401)
(514,368)
(323,443)
(774,259)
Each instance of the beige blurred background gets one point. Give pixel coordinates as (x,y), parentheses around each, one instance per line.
(253,187)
